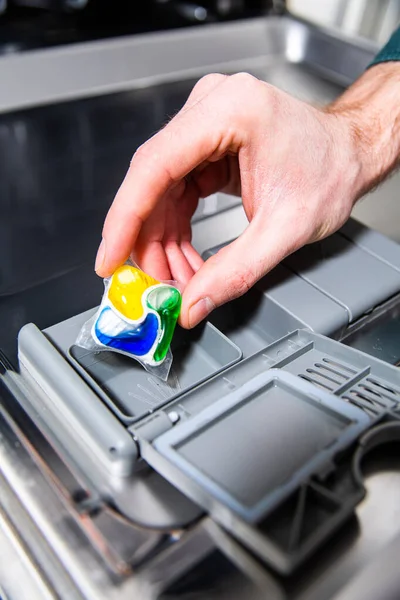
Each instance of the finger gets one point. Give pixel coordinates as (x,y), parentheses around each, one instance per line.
(168,225)
(177,228)
(193,257)
(236,268)
(161,164)
(180,268)
(152,259)
(149,250)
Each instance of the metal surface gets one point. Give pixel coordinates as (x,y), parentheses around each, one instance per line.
(82,70)
(72,157)
(16,566)
(64,555)
(377,581)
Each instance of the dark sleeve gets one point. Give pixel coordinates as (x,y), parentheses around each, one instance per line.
(389,52)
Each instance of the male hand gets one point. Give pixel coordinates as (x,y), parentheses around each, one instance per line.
(298,169)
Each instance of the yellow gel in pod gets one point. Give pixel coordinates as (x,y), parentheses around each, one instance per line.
(126,291)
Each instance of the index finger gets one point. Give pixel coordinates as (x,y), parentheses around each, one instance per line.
(160,164)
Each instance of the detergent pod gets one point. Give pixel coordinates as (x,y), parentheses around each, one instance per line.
(137,317)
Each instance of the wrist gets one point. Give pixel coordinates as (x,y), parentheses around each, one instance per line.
(370,111)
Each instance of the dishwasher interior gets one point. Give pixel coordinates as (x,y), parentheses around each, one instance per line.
(252,453)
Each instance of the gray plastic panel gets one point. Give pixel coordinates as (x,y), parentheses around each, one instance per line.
(254,458)
(271,461)
(301,304)
(355,279)
(127,388)
(314,309)
(91,441)
(252,448)
(327,285)
(253,322)
(366,382)
(71,409)
(380,337)
(264,459)
(373,242)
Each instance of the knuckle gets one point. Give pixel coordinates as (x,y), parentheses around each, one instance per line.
(206,84)
(141,152)
(244,77)
(149,152)
(245,81)
(252,97)
(209,81)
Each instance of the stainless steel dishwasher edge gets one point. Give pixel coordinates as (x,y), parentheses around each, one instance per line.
(69,549)
(144,60)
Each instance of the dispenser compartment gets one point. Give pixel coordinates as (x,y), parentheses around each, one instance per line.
(266,447)
(126,387)
(250,454)
(252,448)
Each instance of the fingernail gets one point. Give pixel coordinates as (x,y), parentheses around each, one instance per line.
(101,254)
(199,311)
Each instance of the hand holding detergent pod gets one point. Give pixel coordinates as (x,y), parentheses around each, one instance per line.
(137,317)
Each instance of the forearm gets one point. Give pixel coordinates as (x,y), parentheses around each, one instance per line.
(371,106)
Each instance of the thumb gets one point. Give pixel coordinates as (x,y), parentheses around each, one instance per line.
(231,272)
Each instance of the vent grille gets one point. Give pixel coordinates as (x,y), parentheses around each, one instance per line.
(328,374)
(373,396)
(363,402)
(383,389)
(367,392)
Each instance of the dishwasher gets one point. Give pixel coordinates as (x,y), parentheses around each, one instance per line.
(267,466)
